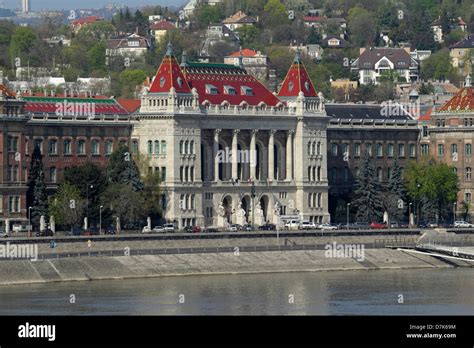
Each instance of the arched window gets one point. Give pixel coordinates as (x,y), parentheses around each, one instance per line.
(193,202)
(95,147)
(320,196)
(454,149)
(181,147)
(109,147)
(468,150)
(191,147)
(309,148)
(150,147)
(186,147)
(163,147)
(318,149)
(319,173)
(440,150)
(468,173)
(81,147)
(135,146)
(310,200)
(157,147)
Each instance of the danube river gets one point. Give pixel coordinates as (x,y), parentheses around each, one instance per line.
(422,292)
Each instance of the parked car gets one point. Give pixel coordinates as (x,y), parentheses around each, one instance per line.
(45,233)
(327,227)
(192,229)
(422,225)
(93,231)
(307,225)
(4,234)
(158,229)
(462,224)
(433,224)
(292,224)
(146,229)
(109,230)
(267,227)
(403,224)
(210,230)
(378,225)
(169,227)
(234,228)
(247,227)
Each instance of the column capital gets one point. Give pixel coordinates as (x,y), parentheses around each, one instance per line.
(291,132)
(217,131)
(235,131)
(254,131)
(272,131)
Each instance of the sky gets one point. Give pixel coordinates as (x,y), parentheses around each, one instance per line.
(83,4)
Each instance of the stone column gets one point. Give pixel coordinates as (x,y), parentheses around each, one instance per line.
(216,154)
(235,134)
(289,155)
(271,155)
(253,154)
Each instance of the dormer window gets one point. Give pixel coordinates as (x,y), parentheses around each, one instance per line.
(290,86)
(180,82)
(307,85)
(212,90)
(162,81)
(230,90)
(247,91)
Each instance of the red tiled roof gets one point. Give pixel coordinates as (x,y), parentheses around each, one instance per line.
(246,52)
(86,20)
(162,25)
(231,84)
(313,18)
(463,101)
(131,105)
(169,75)
(49,105)
(5,91)
(427,115)
(297,80)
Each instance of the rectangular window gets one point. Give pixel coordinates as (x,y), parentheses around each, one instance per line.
(401,150)
(379,150)
(334,149)
(53,147)
(411,150)
(368,149)
(163,173)
(357,150)
(425,131)
(81,147)
(390,150)
(52,174)
(440,150)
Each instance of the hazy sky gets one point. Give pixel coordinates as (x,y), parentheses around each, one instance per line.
(74,4)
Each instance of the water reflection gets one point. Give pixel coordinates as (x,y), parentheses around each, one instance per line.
(435,292)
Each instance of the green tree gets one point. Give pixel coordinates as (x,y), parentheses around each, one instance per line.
(129,81)
(22,41)
(207,14)
(432,184)
(67,206)
(274,14)
(361,25)
(437,66)
(367,190)
(36,196)
(91,182)
(122,169)
(249,36)
(122,201)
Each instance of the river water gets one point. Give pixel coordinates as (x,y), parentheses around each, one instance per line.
(422,292)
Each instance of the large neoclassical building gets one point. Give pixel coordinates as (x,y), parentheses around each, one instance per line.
(229,150)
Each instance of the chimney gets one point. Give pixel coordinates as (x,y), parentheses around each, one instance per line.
(407,49)
(361,50)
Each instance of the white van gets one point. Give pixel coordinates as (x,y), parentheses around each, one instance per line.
(292,224)
(307,225)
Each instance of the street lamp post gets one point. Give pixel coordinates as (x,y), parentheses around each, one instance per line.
(100,219)
(252,195)
(454,212)
(29,221)
(409,214)
(348,207)
(87,203)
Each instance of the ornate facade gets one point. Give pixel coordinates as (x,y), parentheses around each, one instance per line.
(214,132)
